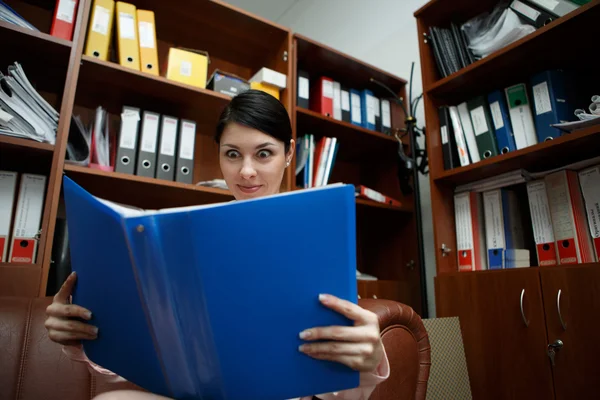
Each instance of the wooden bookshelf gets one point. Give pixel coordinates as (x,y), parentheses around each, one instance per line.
(489,303)
(15,142)
(386,235)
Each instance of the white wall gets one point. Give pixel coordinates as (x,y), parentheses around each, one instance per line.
(380,32)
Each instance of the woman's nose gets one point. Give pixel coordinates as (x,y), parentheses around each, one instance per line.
(248,171)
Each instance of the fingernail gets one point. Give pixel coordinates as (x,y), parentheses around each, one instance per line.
(323,298)
(305,334)
(95,329)
(302,347)
(88,315)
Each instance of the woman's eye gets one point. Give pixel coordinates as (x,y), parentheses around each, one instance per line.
(232,154)
(264,154)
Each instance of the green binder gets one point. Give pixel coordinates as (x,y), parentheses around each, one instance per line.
(485,136)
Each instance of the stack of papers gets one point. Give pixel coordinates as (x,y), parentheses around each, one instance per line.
(9,15)
(24,113)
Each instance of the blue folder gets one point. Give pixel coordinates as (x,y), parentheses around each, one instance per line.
(207,302)
(552,104)
(511,225)
(505,138)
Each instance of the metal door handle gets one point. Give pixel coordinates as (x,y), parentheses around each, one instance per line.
(562,322)
(523,311)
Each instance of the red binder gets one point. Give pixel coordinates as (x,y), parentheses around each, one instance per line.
(470,232)
(63,21)
(321,96)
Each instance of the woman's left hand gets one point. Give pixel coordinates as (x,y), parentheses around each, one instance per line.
(358,346)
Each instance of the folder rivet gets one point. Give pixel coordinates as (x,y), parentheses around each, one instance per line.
(140,228)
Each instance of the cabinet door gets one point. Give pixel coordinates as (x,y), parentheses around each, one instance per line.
(577,363)
(505,347)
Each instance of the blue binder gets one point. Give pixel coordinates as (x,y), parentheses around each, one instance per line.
(208,301)
(368,109)
(501,118)
(551,104)
(507,226)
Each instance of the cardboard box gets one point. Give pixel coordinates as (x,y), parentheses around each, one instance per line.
(270,77)
(188,66)
(265,87)
(227,83)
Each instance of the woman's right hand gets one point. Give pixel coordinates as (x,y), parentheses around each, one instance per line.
(62,324)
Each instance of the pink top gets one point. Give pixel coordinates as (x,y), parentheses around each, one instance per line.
(368,380)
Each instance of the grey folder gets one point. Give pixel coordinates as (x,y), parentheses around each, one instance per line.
(146,164)
(165,165)
(127,151)
(185,153)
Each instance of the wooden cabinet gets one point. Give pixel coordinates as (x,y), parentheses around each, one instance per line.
(385,289)
(505,347)
(573,294)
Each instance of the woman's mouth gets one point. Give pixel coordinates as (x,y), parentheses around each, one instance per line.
(248,189)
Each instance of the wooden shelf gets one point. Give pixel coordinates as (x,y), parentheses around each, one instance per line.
(564,150)
(14,142)
(511,270)
(18,279)
(26,37)
(355,142)
(112,85)
(375,204)
(143,192)
(547,45)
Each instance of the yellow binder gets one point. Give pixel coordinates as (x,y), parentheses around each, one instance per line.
(127,36)
(100,29)
(147,39)
(188,67)
(265,87)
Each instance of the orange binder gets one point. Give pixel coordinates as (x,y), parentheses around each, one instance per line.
(147,39)
(100,29)
(127,36)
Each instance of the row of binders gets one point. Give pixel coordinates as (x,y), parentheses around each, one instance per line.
(507,119)
(330,98)
(561,223)
(21,206)
(24,113)
(315,160)
(148,144)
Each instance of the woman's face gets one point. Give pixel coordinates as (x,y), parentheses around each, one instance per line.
(251,161)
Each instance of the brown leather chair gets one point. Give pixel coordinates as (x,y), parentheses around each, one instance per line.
(34,368)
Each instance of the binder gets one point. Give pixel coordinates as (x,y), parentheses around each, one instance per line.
(27,220)
(470,232)
(449,150)
(521,118)
(166,272)
(187,66)
(146,165)
(185,153)
(148,45)
(569,222)
(8,185)
(552,105)
(504,133)
(345,104)
(503,225)
(386,117)
(128,138)
(127,36)
(165,165)
(368,109)
(558,8)
(461,145)
(368,193)
(482,126)
(337,101)
(377,114)
(469,133)
(356,107)
(99,32)
(322,96)
(63,20)
(589,179)
(541,220)
(533,15)
(303,95)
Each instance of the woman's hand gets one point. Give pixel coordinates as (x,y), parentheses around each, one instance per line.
(358,346)
(61,324)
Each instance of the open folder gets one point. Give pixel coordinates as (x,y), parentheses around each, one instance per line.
(207,302)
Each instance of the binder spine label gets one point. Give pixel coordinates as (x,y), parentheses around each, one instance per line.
(541,96)
(525,10)
(370,109)
(327,89)
(185,68)
(303,87)
(464,232)
(497,115)
(479,122)
(386,118)
(169,137)
(66,10)
(542,223)
(345,100)
(146,34)
(150,133)
(101,20)
(186,149)
(129,120)
(444,133)
(127,26)
(356,113)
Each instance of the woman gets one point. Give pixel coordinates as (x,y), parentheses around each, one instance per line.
(254,135)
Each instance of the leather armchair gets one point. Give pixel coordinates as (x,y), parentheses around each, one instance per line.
(33,368)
